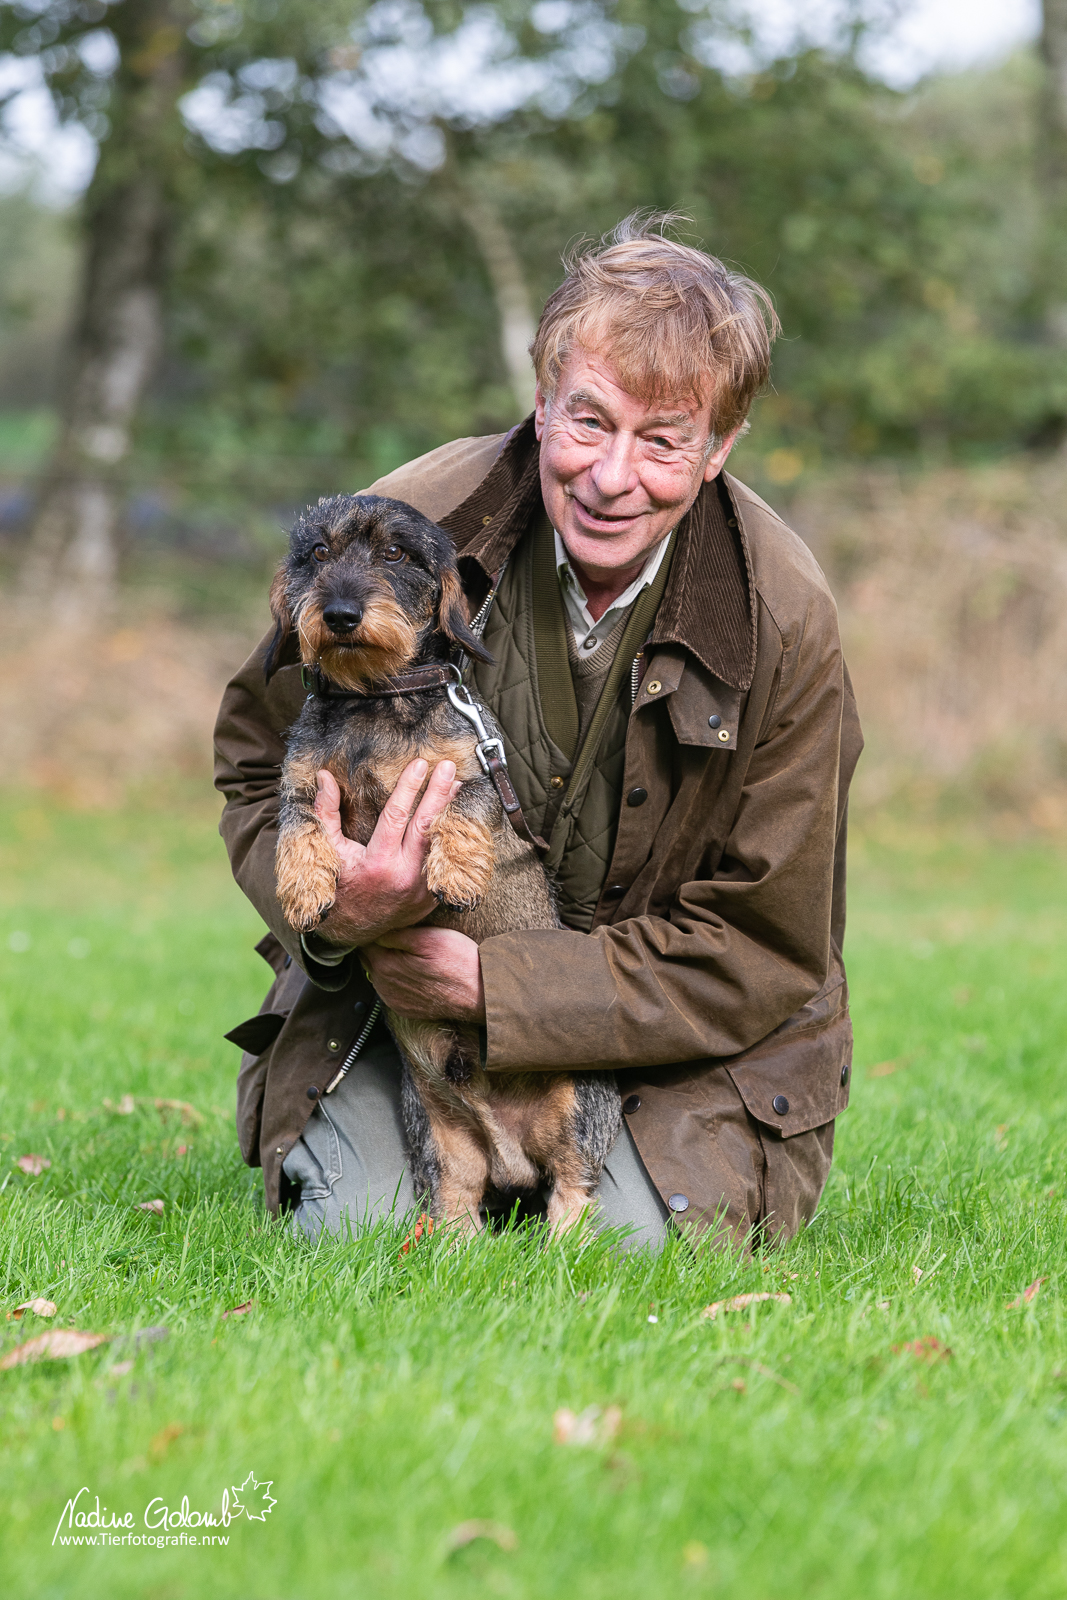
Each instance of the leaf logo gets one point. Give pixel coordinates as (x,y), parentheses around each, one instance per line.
(254,1499)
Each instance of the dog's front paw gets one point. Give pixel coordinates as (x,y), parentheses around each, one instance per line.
(460,862)
(306,875)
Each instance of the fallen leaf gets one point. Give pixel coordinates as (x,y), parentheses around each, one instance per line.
(126,1107)
(478,1528)
(593,1426)
(120,1369)
(928,1349)
(239,1311)
(881,1305)
(40,1308)
(59,1423)
(766,1372)
(189,1114)
(162,1441)
(916,1273)
(739,1384)
(739,1303)
(155,1206)
(423,1226)
(1000,1136)
(885,1069)
(55,1345)
(1028,1294)
(33,1164)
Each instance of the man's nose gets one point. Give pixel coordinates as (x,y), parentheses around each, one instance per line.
(614,471)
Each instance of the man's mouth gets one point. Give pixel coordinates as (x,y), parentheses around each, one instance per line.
(608,518)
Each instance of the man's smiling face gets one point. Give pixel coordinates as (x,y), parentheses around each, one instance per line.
(618,472)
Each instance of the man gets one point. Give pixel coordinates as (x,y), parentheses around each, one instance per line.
(680,729)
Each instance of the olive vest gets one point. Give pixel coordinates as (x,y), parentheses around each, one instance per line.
(564,720)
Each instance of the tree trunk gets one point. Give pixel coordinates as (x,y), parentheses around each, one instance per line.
(1052,146)
(517,325)
(117,334)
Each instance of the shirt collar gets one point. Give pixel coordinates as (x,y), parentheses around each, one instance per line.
(574,595)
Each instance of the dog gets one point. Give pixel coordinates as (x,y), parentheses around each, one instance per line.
(372,590)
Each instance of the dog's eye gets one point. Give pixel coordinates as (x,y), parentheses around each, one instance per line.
(393,552)
(321,552)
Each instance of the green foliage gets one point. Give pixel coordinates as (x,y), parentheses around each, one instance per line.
(330,315)
(389,1397)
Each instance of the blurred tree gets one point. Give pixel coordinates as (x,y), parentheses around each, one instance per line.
(1053,164)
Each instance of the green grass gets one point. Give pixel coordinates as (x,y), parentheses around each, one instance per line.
(389,1398)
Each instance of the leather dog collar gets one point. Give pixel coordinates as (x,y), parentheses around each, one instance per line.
(417,681)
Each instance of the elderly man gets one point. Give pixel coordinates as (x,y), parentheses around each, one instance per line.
(680,729)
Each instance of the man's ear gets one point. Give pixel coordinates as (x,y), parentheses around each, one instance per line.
(453,617)
(283,624)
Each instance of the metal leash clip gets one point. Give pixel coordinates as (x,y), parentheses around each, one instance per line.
(460,697)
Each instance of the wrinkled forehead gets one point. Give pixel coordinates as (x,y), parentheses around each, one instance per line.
(634,390)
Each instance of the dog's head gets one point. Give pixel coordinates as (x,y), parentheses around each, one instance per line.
(370,587)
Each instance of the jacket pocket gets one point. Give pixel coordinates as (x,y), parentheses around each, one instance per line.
(798,1077)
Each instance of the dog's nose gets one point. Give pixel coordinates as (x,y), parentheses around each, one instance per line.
(341,616)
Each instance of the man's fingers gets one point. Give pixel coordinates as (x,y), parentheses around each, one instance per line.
(328,805)
(438,794)
(389,829)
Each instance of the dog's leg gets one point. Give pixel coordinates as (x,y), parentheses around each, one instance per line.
(581,1146)
(461,858)
(449,1163)
(306,864)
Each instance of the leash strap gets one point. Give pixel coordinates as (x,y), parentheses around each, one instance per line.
(494,763)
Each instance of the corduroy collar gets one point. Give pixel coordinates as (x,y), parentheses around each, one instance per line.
(709,604)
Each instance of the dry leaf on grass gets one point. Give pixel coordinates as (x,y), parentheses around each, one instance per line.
(885,1069)
(120,1369)
(33,1164)
(162,1441)
(928,1349)
(424,1226)
(125,1108)
(740,1302)
(478,1528)
(55,1345)
(189,1114)
(239,1311)
(155,1206)
(1029,1293)
(916,1273)
(593,1426)
(766,1372)
(40,1308)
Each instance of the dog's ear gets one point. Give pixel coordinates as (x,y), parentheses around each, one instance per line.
(453,617)
(283,624)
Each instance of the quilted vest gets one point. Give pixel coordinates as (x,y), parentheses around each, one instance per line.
(570,788)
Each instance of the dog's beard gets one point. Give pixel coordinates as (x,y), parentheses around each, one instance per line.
(384,643)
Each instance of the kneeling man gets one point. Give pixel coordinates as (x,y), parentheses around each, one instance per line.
(681,730)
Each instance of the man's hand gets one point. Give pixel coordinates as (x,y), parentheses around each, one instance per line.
(428,972)
(382,885)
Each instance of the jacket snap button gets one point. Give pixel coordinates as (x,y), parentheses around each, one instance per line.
(844,1075)
(724,735)
(486,521)
(614,891)
(631,1104)
(715,722)
(556,782)
(313,1093)
(637,797)
(333,1044)
(678,1202)
(280,1150)
(780,1104)
(654,687)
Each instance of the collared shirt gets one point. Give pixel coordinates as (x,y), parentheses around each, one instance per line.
(587,633)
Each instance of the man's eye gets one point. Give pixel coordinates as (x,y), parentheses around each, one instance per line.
(321,552)
(393,552)
(663,444)
(591,422)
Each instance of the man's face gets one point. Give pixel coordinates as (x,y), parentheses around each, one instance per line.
(618,473)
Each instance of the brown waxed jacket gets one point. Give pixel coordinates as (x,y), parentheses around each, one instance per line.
(715,948)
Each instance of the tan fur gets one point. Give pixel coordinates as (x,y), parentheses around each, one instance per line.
(460,863)
(387,639)
(307,872)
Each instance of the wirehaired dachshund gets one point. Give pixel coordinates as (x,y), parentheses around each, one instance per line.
(372,591)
